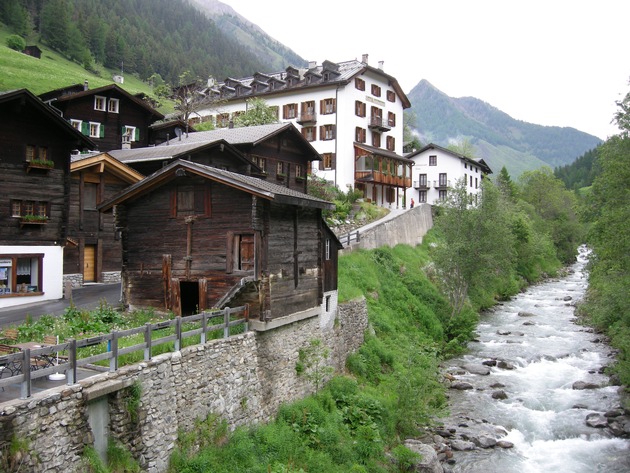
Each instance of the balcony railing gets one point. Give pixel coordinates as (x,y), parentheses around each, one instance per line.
(441,184)
(307,118)
(379,123)
(382,178)
(420,185)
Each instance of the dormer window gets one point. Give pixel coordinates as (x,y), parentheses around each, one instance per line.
(112,105)
(99,103)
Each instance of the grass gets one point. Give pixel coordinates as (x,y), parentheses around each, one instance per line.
(54,71)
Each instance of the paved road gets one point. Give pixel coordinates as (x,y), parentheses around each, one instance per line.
(87,297)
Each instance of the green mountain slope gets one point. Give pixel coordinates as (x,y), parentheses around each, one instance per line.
(498,138)
(270,52)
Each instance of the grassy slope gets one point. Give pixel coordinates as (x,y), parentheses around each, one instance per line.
(53,71)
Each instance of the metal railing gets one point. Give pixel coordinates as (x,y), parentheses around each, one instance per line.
(69,362)
(349,238)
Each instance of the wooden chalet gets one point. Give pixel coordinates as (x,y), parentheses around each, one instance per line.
(35,171)
(196,237)
(112,117)
(93,251)
(279,152)
(167,131)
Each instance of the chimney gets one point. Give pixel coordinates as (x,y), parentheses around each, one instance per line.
(231,124)
(312,64)
(380,65)
(364,59)
(85,85)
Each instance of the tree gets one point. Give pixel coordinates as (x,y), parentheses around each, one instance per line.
(622,115)
(505,185)
(476,246)
(257,113)
(16,42)
(55,23)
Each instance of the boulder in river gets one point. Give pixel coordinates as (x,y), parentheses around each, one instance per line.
(476,369)
(579,385)
(596,420)
(503,332)
(499,395)
(461,385)
(484,441)
(526,314)
(505,444)
(428,462)
(462,445)
(489,362)
(506,365)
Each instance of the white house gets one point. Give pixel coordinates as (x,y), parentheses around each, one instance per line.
(436,169)
(351,112)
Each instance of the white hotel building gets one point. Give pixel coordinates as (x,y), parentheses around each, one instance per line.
(350,112)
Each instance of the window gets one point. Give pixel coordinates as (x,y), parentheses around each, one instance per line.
(280,168)
(327,303)
(261,163)
(20,274)
(290,111)
(422,197)
(360,135)
(299,171)
(465,166)
(432,160)
(240,252)
(76,124)
(223,120)
(310,133)
(96,130)
(442,195)
(391,118)
(442,180)
(191,199)
(422,182)
(99,103)
(391,143)
(327,255)
(112,105)
(132,132)
(89,196)
(328,160)
(376,139)
(21,208)
(359,83)
(327,106)
(376,90)
(327,132)
(391,96)
(36,153)
(376,116)
(470,181)
(308,110)
(476,184)
(359,108)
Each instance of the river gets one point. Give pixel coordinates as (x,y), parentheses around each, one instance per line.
(535,407)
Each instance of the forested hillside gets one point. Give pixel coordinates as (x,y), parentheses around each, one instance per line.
(498,138)
(580,173)
(165,37)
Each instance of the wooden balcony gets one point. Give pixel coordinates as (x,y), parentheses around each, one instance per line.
(308,118)
(379,124)
(378,177)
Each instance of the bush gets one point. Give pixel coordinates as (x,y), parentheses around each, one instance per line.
(16,42)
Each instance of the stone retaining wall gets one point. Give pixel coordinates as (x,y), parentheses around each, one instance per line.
(243,379)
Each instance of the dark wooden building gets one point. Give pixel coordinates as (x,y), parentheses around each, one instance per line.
(93,252)
(35,176)
(279,152)
(196,237)
(112,117)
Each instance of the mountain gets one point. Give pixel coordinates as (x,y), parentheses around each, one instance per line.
(497,138)
(270,52)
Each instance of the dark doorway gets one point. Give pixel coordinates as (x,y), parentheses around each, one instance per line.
(189,292)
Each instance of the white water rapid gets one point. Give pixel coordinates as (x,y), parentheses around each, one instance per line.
(542,415)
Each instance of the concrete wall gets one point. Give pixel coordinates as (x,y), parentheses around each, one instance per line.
(407,228)
(243,379)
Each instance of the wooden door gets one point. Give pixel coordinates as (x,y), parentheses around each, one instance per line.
(247,252)
(89,263)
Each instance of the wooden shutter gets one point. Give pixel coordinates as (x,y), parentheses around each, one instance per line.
(85,128)
(137,134)
(102,131)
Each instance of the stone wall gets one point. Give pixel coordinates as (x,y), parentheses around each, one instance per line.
(243,379)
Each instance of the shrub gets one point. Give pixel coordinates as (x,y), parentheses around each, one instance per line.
(16,42)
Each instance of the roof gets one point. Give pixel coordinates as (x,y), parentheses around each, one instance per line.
(249,184)
(341,73)
(68,93)
(49,112)
(247,135)
(382,152)
(477,161)
(105,161)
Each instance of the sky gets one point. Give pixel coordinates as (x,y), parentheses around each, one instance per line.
(548,62)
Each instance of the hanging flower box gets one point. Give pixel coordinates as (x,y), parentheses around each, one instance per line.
(33,220)
(44,164)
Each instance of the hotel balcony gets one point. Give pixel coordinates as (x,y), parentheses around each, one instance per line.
(308,118)
(378,177)
(422,185)
(441,184)
(379,124)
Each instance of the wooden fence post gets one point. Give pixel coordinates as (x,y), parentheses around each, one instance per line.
(113,349)
(25,389)
(147,341)
(226,322)
(72,361)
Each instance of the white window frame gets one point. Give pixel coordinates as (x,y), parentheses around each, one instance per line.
(98,130)
(76,123)
(103,101)
(132,132)
(113,105)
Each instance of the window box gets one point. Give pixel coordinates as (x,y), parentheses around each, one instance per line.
(44,164)
(281,176)
(33,220)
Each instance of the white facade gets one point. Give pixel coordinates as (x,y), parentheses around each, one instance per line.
(357,91)
(436,169)
(32,264)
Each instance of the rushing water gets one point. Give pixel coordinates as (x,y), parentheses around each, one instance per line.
(543,415)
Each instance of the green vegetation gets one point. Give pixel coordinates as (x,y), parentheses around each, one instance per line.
(119,460)
(608,211)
